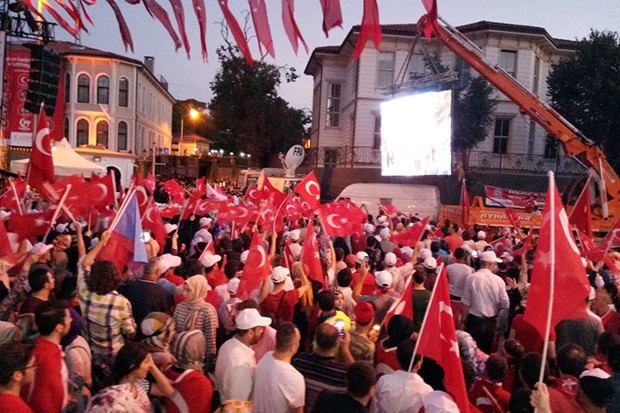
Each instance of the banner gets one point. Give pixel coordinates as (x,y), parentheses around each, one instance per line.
(17,123)
(503,197)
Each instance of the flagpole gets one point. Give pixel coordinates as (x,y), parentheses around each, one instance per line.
(57,212)
(277,212)
(17,200)
(114,189)
(552,276)
(122,209)
(417,341)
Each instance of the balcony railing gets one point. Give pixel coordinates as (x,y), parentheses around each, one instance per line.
(343,156)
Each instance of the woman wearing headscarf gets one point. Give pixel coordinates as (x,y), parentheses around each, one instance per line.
(158,330)
(194,391)
(77,355)
(196,314)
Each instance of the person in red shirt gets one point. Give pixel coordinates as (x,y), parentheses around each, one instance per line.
(609,316)
(487,393)
(571,361)
(453,239)
(369,287)
(399,329)
(280,304)
(17,368)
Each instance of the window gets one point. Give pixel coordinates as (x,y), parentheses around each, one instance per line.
(551,148)
(536,75)
(102,133)
(331,157)
(122,136)
(83,89)
(385,71)
(65,128)
(532,140)
(417,66)
(508,62)
(67,88)
(377,135)
(103,90)
(123,92)
(333,104)
(82,132)
(464,72)
(501,135)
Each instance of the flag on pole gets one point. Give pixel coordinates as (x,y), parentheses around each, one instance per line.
(465,205)
(581,215)
(570,288)
(256,268)
(412,235)
(310,257)
(41,166)
(309,190)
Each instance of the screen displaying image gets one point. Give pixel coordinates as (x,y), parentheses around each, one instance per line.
(416,135)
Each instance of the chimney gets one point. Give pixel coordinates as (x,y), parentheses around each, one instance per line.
(149,63)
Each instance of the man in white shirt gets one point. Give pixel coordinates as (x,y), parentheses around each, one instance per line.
(483,299)
(202,235)
(400,274)
(295,247)
(236,361)
(388,397)
(457,273)
(279,387)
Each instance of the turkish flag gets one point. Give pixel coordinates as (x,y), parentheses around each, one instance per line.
(252,195)
(149,183)
(54,192)
(236,31)
(267,218)
(513,218)
(465,205)
(204,206)
(571,286)
(215,193)
(261,25)
(527,245)
(337,220)
(256,268)
(290,26)
(152,221)
(589,249)
(201,184)
(310,257)
(291,208)
(170,212)
(271,194)
(6,252)
(175,191)
(412,235)
(309,190)
(500,245)
(106,187)
(437,341)
(581,215)
(8,194)
(142,197)
(332,15)
(371,28)
(388,209)
(239,214)
(404,305)
(41,166)
(431,8)
(289,258)
(28,226)
(191,203)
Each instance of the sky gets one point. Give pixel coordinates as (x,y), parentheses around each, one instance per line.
(190,78)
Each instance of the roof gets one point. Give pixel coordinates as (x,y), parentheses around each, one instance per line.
(483,25)
(93,150)
(190,137)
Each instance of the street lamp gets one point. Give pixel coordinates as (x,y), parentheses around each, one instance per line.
(193,113)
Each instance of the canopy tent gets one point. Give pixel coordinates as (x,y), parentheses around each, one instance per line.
(66,162)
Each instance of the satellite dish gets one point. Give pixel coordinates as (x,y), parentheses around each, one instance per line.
(294,158)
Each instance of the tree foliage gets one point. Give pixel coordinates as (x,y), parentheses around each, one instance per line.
(585,89)
(246,112)
(473,113)
(200,126)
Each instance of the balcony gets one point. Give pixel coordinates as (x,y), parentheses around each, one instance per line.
(343,156)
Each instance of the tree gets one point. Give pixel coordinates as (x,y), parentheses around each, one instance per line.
(473,113)
(200,126)
(585,89)
(246,111)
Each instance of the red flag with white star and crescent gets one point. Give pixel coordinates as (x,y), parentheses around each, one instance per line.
(309,190)
(256,268)
(310,257)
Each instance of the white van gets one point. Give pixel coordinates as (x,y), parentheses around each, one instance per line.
(421,199)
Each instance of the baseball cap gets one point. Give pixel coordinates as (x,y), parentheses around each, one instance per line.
(424,253)
(279,274)
(381,219)
(383,279)
(597,386)
(390,259)
(40,248)
(364,312)
(349,259)
(170,227)
(233,285)
(250,318)
(169,261)
(244,256)
(482,235)
(295,235)
(204,221)
(430,263)
(209,260)
(4,214)
(369,228)
(360,257)
(489,256)
(384,233)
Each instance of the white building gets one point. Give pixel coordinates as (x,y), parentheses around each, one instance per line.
(346,121)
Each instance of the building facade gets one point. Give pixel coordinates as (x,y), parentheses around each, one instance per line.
(346,122)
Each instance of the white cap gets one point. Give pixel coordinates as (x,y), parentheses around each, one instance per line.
(244,256)
(279,274)
(598,373)
(424,253)
(381,219)
(430,263)
(295,235)
(369,228)
(429,227)
(4,214)
(508,256)
(168,261)
(209,260)
(440,402)
(40,248)
(233,285)
(489,256)
(481,235)
(170,227)
(383,279)
(390,259)
(204,221)
(250,318)
(61,227)
(360,257)
(384,233)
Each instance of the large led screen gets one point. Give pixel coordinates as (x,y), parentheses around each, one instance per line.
(415,135)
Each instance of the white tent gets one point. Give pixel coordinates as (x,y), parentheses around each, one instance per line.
(66,162)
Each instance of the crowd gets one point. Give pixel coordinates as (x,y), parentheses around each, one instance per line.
(80,334)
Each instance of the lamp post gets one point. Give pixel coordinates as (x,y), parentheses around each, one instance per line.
(193,113)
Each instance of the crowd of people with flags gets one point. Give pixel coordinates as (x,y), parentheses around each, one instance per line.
(183,298)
